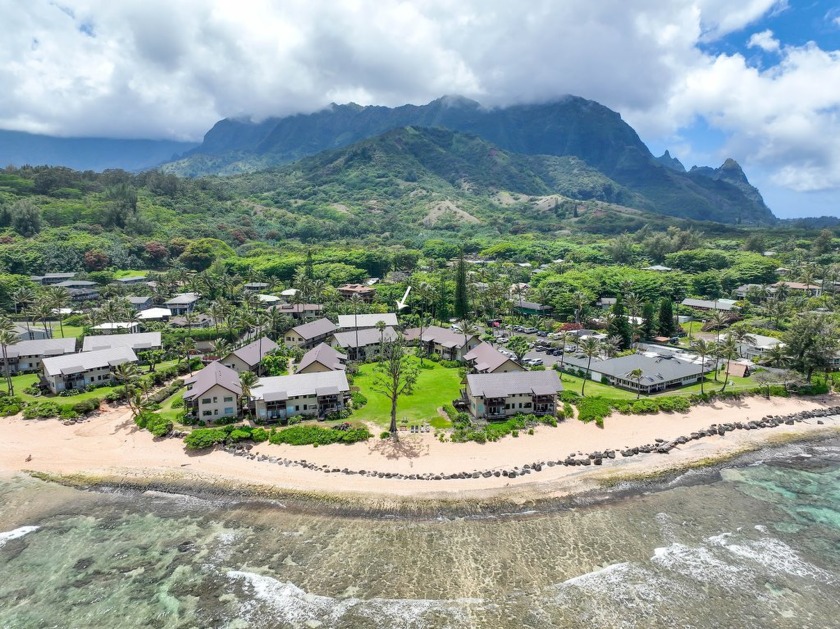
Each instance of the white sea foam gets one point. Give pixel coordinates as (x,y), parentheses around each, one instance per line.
(776,556)
(613,572)
(287,603)
(18,532)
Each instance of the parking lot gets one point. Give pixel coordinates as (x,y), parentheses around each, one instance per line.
(547,359)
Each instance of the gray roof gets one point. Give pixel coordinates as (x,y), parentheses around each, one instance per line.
(76,284)
(655,369)
(445,337)
(709,304)
(250,353)
(313,329)
(134,299)
(85,361)
(324,354)
(349,322)
(138,341)
(367,336)
(213,374)
(298,308)
(134,279)
(43,347)
(486,357)
(496,385)
(183,299)
(306,384)
(531,305)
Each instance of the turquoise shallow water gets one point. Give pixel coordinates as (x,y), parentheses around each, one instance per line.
(757,545)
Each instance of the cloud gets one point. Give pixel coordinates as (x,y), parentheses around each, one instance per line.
(172,68)
(765,41)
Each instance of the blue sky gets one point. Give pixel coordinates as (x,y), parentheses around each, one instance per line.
(755,80)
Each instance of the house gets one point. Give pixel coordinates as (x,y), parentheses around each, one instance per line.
(130,281)
(213,393)
(307,394)
(724,305)
(309,334)
(137,342)
(658,268)
(606,303)
(76,371)
(199,320)
(744,289)
(248,357)
(756,346)
(289,292)
(26,356)
(367,293)
(154,314)
(321,358)
(351,322)
(362,344)
(268,300)
(531,308)
(811,290)
(31,332)
(501,395)
(50,279)
(253,287)
(69,284)
(141,302)
(739,370)
(299,311)
(182,303)
(659,372)
(445,342)
(111,326)
(485,358)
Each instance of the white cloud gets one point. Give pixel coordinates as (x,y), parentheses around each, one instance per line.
(765,41)
(171,68)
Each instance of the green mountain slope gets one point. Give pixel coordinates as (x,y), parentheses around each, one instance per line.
(572,127)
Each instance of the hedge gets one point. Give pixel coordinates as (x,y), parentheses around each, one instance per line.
(306,434)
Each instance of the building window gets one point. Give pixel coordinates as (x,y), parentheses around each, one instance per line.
(228,399)
(215,399)
(229,410)
(206,413)
(527,405)
(205,400)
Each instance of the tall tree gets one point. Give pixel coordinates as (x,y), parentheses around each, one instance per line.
(7,338)
(665,321)
(519,346)
(728,351)
(395,375)
(648,321)
(591,347)
(811,343)
(462,301)
(620,325)
(703,349)
(636,375)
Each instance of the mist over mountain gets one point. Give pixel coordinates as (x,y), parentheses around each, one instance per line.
(18,149)
(570,127)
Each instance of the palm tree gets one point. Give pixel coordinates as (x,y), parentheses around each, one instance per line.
(564,341)
(221,348)
(775,355)
(380,325)
(729,349)
(611,346)
(742,336)
(42,311)
(186,347)
(718,319)
(581,301)
(22,298)
(247,379)
(703,349)
(128,374)
(260,319)
(355,300)
(468,329)
(423,322)
(591,347)
(636,375)
(7,338)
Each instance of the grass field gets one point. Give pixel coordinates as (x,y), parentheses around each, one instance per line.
(166,409)
(435,387)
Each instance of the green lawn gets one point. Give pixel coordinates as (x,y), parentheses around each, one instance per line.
(70,331)
(118,275)
(573,383)
(166,409)
(435,387)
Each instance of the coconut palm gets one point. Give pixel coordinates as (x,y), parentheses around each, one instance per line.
(775,356)
(728,351)
(468,329)
(703,349)
(247,379)
(7,338)
(186,347)
(742,336)
(591,347)
(41,311)
(636,375)
(355,300)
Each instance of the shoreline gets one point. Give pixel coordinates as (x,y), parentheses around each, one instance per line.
(108,451)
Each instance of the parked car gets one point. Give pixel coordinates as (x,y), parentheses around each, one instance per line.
(529,330)
(542,334)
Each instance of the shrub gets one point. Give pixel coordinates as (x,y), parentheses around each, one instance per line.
(593,408)
(359,399)
(202,438)
(385,434)
(258,435)
(87,406)
(316,435)
(450,412)
(159,426)
(41,410)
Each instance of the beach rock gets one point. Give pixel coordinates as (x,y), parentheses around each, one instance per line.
(820,422)
(511,474)
(598,461)
(497,474)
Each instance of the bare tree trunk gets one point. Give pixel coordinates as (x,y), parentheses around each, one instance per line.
(393,427)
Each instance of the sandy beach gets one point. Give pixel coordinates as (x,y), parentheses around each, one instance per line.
(110,448)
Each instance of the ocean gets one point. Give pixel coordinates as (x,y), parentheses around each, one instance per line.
(754,543)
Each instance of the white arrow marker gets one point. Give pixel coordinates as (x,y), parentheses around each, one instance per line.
(401,303)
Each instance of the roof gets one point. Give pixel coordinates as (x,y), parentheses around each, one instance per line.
(314,329)
(141,340)
(349,322)
(709,304)
(739,370)
(495,385)
(445,337)
(306,384)
(135,299)
(268,299)
(485,357)
(115,325)
(76,284)
(250,353)
(298,308)
(213,374)
(760,341)
(655,368)
(183,299)
(255,285)
(657,267)
(134,279)
(85,361)
(42,347)
(366,336)
(154,313)
(325,355)
(51,276)
(531,305)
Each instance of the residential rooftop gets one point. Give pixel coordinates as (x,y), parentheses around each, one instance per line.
(85,361)
(501,385)
(276,388)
